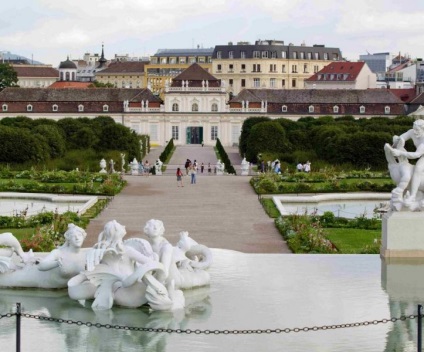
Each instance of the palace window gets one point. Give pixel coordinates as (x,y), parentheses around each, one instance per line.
(264,54)
(55,107)
(175,133)
(256,54)
(195,107)
(272,68)
(305,68)
(175,107)
(256,82)
(272,83)
(283,55)
(214,107)
(294,68)
(294,55)
(219,67)
(242,54)
(219,54)
(325,56)
(309,56)
(81,108)
(214,133)
(302,55)
(256,68)
(335,109)
(4,107)
(283,83)
(284,108)
(293,83)
(243,67)
(362,109)
(387,109)
(273,54)
(243,82)
(105,108)
(29,107)
(182,60)
(311,109)
(283,68)
(231,54)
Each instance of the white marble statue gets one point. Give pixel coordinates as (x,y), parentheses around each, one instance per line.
(185,264)
(103,166)
(219,168)
(122,162)
(409,178)
(158,167)
(134,167)
(245,167)
(41,270)
(120,273)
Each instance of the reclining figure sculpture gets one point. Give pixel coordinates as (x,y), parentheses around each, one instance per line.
(127,273)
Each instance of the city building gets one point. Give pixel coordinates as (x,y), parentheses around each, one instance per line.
(35,76)
(169,63)
(269,64)
(378,63)
(343,75)
(89,66)
(125,74)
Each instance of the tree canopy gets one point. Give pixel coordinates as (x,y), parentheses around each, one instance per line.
(8,76)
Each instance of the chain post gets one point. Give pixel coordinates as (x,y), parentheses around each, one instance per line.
(18,327)
(419,334)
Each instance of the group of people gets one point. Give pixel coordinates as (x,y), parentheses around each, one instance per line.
(304,167)
(144,169)
(191,169)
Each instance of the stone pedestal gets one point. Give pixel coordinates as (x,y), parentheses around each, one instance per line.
(402,235)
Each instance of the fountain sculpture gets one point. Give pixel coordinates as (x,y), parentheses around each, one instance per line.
(114,271)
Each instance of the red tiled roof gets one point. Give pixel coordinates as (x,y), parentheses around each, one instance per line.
(66,84)
(36,71)
(406,95)
(195,74)
(330,72)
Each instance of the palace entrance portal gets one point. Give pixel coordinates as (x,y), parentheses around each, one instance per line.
(194,135)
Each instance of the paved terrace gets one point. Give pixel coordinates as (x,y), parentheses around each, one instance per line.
(218,211)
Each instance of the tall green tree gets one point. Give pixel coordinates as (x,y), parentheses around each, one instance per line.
(8,76)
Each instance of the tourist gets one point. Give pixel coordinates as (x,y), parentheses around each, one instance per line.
(146,168)
(202,168)
(277,168)
(262,167)
(179,178)
(299,167)
(307,167)
(209,168)
(187,165)
(192,171)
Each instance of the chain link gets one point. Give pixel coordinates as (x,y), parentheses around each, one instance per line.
(215,332)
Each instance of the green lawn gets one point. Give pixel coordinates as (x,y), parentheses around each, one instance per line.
(350,241)
(20,233)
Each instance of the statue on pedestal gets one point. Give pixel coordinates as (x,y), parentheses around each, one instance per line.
(103,166)
(122,162)
(245,167)
(158,167)
(409,179)
(134,167)
(219,167)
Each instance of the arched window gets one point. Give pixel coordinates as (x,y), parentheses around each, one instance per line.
(67,76)
(284,108)
(214,107)
(362,109)
(175,107)
(105,108)
(387,109)
(29,107)
(311,108)
(55,107)
(335,109)
(80,108)
(4,107)
(195,107)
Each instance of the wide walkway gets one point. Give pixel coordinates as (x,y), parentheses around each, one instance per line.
(218,211)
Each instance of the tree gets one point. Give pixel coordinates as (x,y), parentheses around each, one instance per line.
(103,85)
(53,137)
(245,131)
(8,76)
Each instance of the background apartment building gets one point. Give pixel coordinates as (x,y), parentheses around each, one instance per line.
(269,64)
(169,63)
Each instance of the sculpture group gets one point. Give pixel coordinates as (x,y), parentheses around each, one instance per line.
(409,178)
(114,271)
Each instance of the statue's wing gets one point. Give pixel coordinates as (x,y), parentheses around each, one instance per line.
(141,246)
(101,274)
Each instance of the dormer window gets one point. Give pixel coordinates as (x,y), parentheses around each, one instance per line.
(387,109)
(311,108)
(81,108)
(284,108)
(362,109)
(4,107)
(55,107)
(335,109)
(29,107)
(105,108)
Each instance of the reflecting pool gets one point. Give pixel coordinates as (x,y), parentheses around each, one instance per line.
(345,205)
(247,292)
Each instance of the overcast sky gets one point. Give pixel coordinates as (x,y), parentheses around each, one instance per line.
(49,30)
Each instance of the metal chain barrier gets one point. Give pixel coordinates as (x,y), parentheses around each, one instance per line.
(8,315)
(216,332)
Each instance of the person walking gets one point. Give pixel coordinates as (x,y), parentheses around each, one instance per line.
(179,178)
(146,168)
(202,168)
(209,168)
(187,165)
(192,171)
